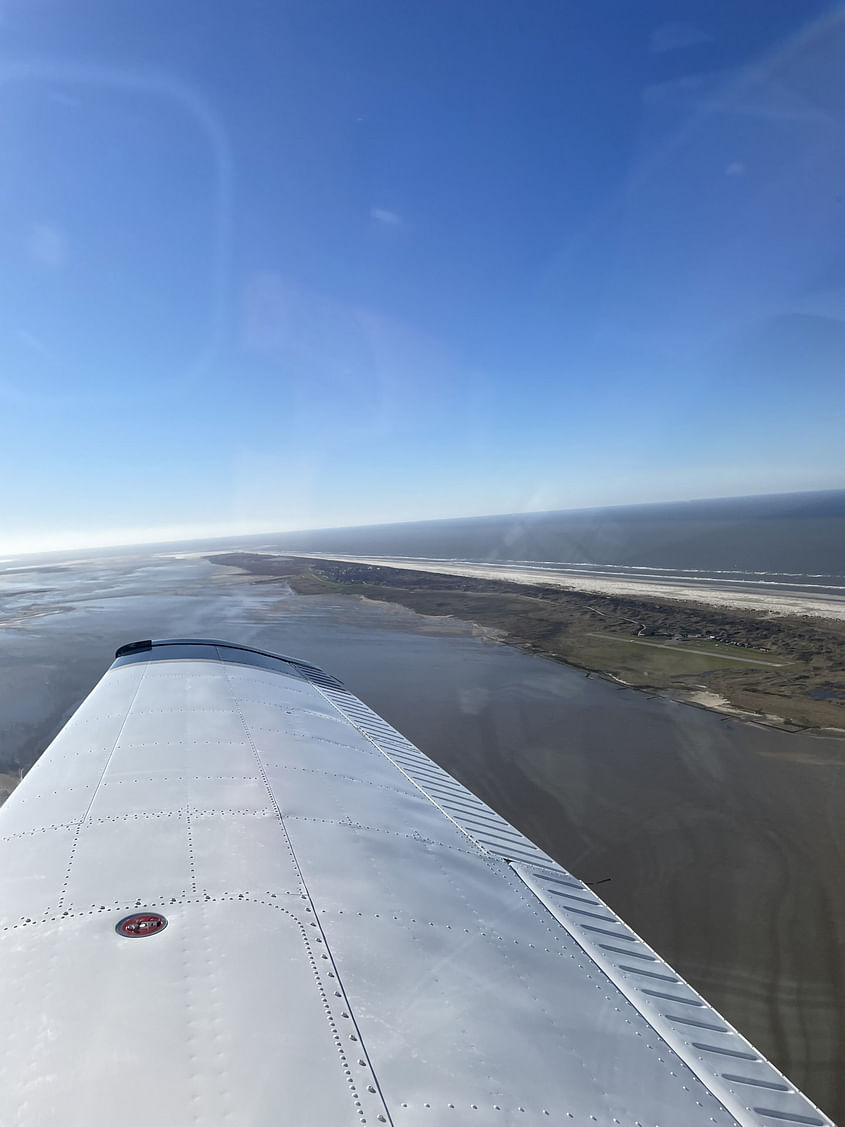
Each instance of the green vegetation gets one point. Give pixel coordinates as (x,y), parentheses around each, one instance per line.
(645,664)
(766,666)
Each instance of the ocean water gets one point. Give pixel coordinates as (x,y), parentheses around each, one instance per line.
(722,843)
(794,540)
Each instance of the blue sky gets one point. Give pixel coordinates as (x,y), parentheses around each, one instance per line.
(271,266)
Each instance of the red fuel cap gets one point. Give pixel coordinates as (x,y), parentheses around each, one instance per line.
(141,924)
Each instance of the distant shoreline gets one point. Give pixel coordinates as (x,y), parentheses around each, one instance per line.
(743,657)
(776,601)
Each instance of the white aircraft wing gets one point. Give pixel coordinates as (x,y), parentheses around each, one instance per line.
(232,894)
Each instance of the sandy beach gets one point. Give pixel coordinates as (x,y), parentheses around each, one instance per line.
(818,604)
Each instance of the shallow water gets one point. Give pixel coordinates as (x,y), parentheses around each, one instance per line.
(723,842)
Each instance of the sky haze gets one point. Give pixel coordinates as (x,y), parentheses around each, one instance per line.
(274,266)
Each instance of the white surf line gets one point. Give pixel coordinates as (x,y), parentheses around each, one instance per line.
(690,650)
(771,601)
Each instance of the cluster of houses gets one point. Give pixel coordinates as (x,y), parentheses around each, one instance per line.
(645,632)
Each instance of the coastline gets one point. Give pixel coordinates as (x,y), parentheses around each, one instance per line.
(827,605)
(721,838)
(748,659)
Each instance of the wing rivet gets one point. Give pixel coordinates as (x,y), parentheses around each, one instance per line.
(141,924)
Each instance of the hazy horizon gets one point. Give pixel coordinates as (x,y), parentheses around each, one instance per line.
(192,534)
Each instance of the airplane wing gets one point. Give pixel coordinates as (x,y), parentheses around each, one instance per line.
(232,894)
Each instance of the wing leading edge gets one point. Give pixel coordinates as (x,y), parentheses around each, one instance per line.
(351,935)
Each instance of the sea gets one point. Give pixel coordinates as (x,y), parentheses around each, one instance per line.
(793,542)
(721,842)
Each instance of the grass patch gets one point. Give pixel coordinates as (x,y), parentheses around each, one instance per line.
(643,665)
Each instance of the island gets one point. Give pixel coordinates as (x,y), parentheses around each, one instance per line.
(763,666)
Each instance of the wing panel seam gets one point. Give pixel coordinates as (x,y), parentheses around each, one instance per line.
(316,921)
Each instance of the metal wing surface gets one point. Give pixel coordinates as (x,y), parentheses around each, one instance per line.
(351,936)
